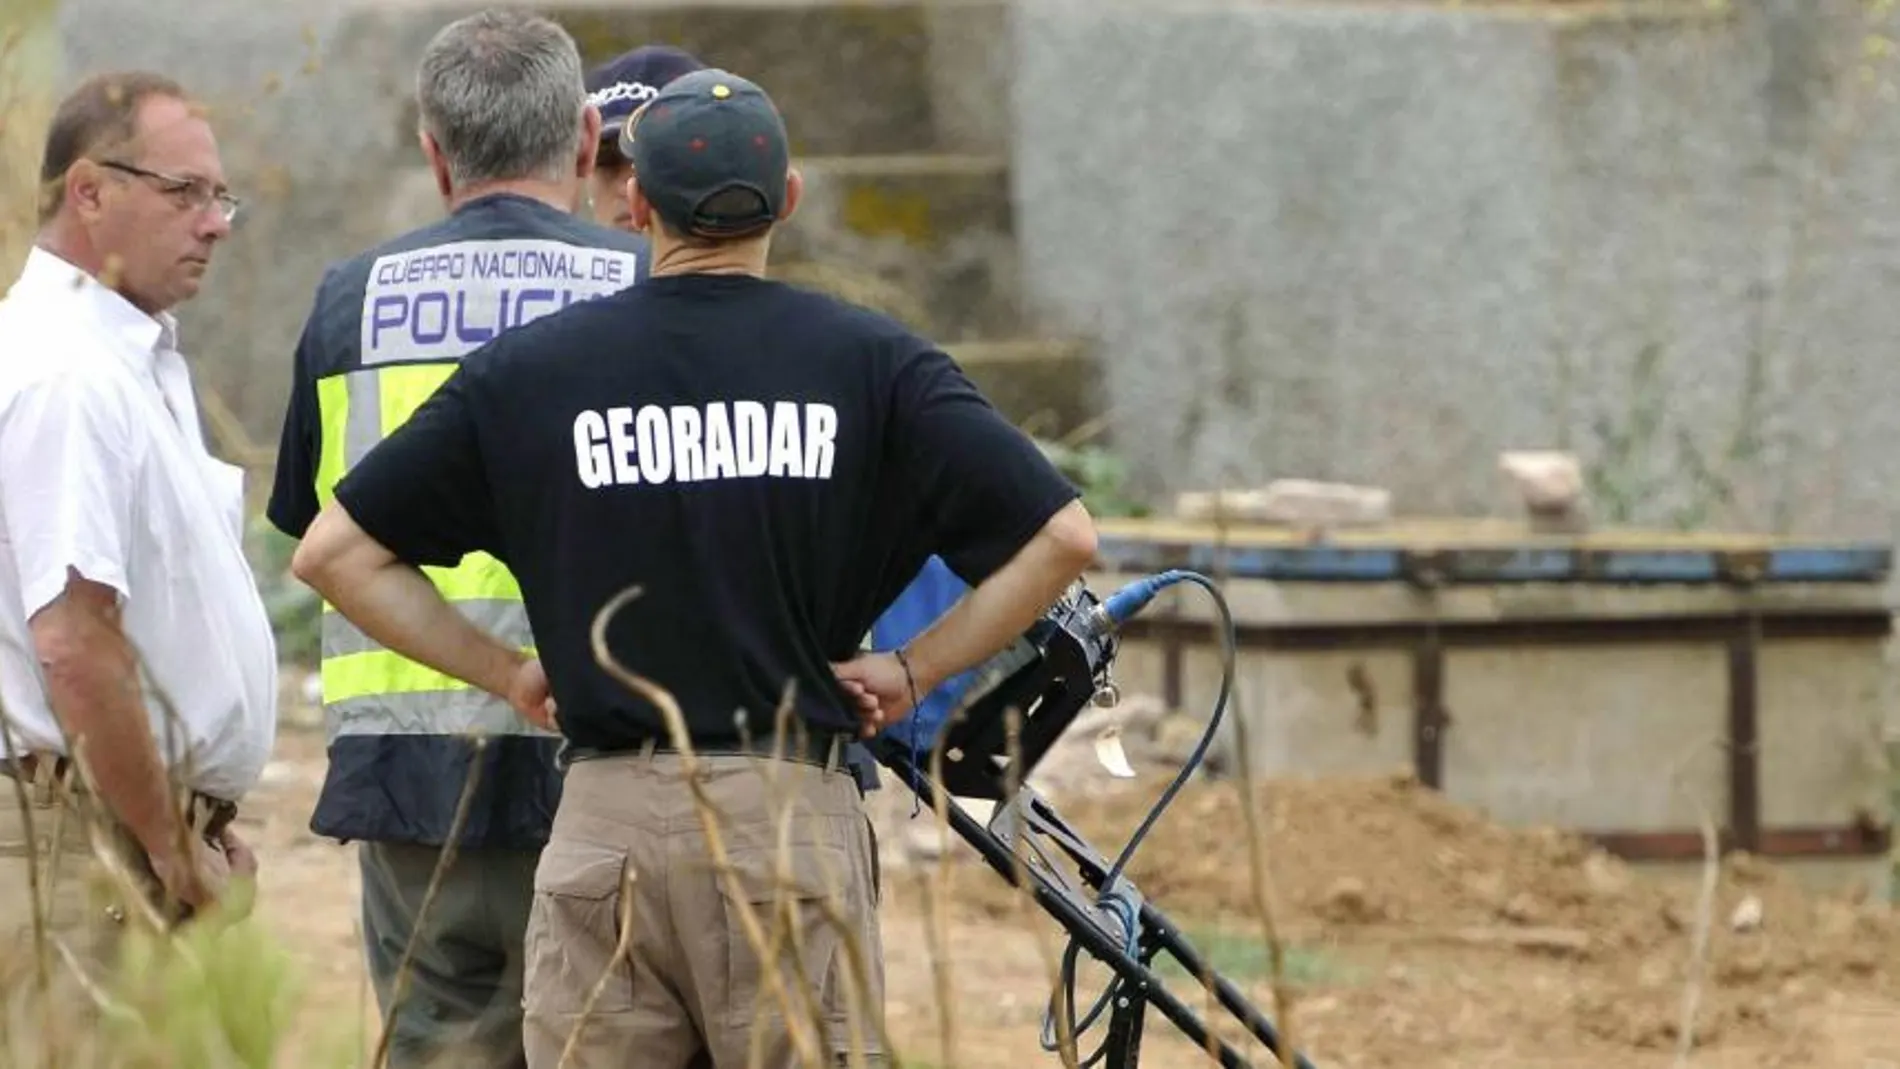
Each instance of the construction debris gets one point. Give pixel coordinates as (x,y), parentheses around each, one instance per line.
(1290,503)
(1563,941)
(1550,484)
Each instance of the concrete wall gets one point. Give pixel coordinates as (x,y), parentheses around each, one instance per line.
(314,112)
(306,107)
(1384,243)
(1367,242)
(30,57)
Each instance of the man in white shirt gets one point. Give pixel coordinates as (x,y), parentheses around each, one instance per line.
(137,664)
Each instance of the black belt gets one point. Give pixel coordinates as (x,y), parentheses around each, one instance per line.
(823,750)
(44,771)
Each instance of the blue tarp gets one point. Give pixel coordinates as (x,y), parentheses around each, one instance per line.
(1371,562)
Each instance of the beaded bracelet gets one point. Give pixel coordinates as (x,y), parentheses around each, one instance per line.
(910,680)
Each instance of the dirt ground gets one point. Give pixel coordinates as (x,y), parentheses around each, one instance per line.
(1416,935)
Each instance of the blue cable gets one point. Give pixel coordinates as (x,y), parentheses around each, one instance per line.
(1121,606)
(1122,905)
(1112,613)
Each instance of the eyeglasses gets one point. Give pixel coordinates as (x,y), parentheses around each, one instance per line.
(195,194)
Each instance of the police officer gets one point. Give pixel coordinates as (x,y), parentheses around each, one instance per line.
(511,140)
(616,89)
(770,466)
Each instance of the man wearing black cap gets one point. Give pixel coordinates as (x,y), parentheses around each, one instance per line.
(770,467)
(616,89)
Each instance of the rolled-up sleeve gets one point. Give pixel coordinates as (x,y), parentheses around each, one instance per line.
(69,453)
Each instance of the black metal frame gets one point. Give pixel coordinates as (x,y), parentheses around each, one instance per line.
(1049,675)
(1028,822)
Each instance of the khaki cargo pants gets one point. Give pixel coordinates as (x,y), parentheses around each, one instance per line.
(691,989)
(79,906)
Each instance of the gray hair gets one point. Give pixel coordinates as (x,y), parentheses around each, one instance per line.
(501,93)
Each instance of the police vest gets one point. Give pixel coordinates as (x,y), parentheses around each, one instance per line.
(401,318)
(371,690)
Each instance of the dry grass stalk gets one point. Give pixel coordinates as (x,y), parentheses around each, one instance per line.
(935,886)
(1260,883)
(857,977)
(399,989)
(857,981)
(1259,880)
(621,944)
(1213,1008)
(100,998)
(858,989)
(785,927)
(183,831)
(1025,897)
(132,889)
(786,906)
(364,995)
(129,998)
(37,894)
(1705,906)
(675,720)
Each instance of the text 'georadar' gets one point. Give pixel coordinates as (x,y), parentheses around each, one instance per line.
(689,443)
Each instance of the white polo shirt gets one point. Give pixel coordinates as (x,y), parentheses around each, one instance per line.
(103,468)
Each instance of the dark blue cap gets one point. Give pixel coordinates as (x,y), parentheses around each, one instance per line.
(711,155)
(619,86)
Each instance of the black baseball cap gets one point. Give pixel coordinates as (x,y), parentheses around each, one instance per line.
(619,86)
(710,154)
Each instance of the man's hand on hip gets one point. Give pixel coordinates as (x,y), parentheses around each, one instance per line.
(529,693)
(879,687)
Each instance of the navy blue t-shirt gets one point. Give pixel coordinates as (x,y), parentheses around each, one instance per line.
(771,466)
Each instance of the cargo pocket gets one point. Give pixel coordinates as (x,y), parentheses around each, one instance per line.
(574,930)
(851,1022)
(860,995)
(784,895)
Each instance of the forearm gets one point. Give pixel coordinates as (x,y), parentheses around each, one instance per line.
(93,687)
(1003,606)
(395,604)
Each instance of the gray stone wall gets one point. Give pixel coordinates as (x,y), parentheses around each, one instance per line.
(1337,240)
(1385,243)
(307,108)
(314,113)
